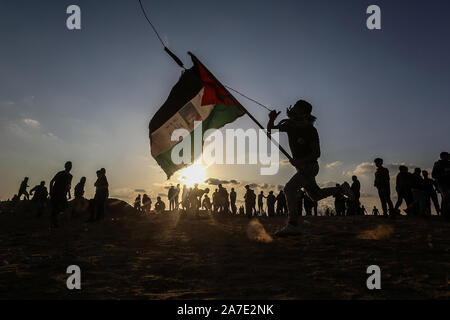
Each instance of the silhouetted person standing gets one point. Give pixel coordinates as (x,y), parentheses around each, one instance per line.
(353,205)
(430,193)
(101,193)
(382,183)
(137,203)
(60,192)
(23,189)
(177,196)
(260,203)
(363,210)
(39,197)
(441,173)
(418,192)
(78,196)
(281,203)
(304,143)
(271,199)
(248,201)
(339,203)
(403,187)
(233,201)
(171,197)
(160,206)
(146,204)
(375,211)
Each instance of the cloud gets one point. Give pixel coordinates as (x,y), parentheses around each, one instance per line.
(216,182)
(234,181)
(328,184)
(31,122)
(334,164)
(139,190)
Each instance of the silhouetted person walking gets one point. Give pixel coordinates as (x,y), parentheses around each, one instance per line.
(382,183)
(39,198)
(23,189)
(430,193)
(304,143)
(60,192)
(441,173)
(403,187)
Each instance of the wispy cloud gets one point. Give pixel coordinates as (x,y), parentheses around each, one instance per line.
(31,122)
(334,164)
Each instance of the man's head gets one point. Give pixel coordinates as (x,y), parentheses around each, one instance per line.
(262,192)
(247,187)
(220,186)
(25,179)
(403,168)
(378,162)
(103,171)
(301,111)
(158,198)
(417,171)
(42,183)
(425,174)
(445,156)
(68,166)
(232,189)
(83,180)
(270,192)
(354,178)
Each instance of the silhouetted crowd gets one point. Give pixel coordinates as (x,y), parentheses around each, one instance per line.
(60,187)
(417,189)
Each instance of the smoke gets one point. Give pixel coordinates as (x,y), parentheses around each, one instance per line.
(381,232)
(256,232)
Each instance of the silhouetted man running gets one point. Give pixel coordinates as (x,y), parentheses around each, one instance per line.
(59,190)
(40,197)
(305,147)
(441,173)
(23,189)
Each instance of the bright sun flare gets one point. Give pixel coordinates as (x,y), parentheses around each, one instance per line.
(193,174)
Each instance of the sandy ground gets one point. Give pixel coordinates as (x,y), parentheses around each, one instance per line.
(170,256)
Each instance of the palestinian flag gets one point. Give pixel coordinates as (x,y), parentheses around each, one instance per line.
(197,96)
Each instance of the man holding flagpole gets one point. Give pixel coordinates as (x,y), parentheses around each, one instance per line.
(305,148)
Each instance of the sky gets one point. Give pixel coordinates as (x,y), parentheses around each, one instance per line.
(87,95)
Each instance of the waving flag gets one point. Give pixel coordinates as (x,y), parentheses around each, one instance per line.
(197,96)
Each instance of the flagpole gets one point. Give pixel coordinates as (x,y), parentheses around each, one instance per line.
(246,111)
